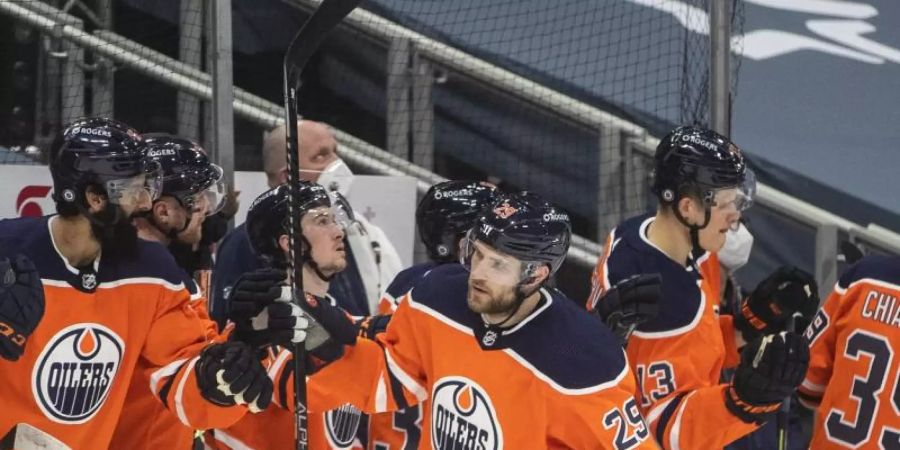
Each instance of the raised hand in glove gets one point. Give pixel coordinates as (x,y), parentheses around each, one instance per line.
(771,367)
(21,304)
(628,304)
(252,292)
(231,374)
(787,291)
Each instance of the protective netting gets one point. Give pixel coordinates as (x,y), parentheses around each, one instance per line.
(555,97)
(545,96)
(71,59)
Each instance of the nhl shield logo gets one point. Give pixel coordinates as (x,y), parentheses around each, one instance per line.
(341,425)
(89,281)
(463,417)
(73,374)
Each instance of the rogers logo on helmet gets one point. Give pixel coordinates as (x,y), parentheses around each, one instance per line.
(702,142)
(161,152)
(457,193)
(91,131)
(553,217)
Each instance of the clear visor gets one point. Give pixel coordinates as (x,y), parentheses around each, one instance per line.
(321,217)
(212,199)
(738,198)
(340,208)
(486,263)
(136,189)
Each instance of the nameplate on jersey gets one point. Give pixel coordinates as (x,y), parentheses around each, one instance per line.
(463,416)
(74,372)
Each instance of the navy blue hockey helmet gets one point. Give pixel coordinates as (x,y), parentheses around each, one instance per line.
(187,173)
(267,218)
(447,211)
(699,161)
(525,226)
(103,152)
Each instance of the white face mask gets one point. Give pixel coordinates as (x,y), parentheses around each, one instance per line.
(736,251)
(336,177)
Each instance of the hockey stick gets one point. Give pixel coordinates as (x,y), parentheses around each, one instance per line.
(308,39)
(783,418)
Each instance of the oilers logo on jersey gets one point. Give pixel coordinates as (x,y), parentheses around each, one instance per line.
(74,372)
(463,417)
(341,425)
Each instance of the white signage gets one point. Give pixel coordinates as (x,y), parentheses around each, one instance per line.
(389,202)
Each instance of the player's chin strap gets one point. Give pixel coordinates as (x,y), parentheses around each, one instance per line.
(696,249)
(308,260)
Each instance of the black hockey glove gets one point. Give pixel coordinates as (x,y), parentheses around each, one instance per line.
(252,292)
(372,326)
(231,374)
(21,304)
(284,323)
(771,367)
(628,304)
(786,291)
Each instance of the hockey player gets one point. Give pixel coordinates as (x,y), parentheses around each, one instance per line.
(702,183)
(854,371)
(322,224)
(191,189)
(372,260)
(113,303)
(503,361)
(446,212)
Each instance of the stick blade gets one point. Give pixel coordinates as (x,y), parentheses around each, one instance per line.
(324,19)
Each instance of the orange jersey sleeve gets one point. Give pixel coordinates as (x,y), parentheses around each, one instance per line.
(145,422)
(854,373)
(678,356)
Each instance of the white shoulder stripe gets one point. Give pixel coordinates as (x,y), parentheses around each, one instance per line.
(680,330)
(519,359)
(871,281)
(122,282)
(581,391)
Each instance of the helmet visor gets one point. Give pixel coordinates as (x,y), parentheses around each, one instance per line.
(340,208)
(146,186)
(486,263)
(212,199)
(739,198)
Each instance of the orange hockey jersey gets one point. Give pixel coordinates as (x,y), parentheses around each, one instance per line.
(556,380)
(854,370)
(398,430)
(678,357)
(101,323)
(145,422)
